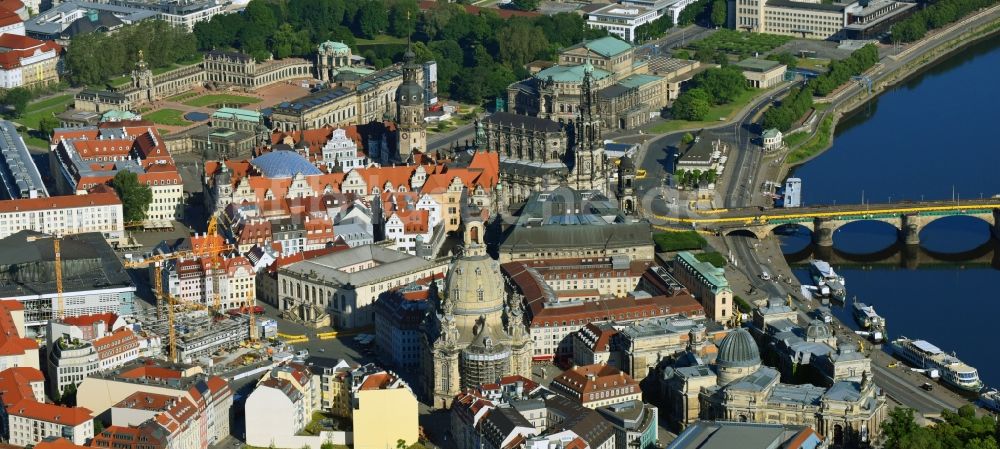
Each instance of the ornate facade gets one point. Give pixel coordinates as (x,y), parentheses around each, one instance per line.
(477,334)
(537,153)
(738,388)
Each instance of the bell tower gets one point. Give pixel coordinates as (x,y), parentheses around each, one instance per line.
(626,186)
(589,151)
(410,109)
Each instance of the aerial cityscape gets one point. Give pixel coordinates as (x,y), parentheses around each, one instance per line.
(499,224)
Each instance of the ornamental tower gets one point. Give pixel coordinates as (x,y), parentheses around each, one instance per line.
(410,109)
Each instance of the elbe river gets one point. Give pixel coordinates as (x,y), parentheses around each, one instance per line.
(936,136)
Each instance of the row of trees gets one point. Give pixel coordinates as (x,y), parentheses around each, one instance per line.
(654,29)
(840,72)
(937,15)
(715,86)
(709,12)
(694,178)
(792,108)
(94,58)
(961,430)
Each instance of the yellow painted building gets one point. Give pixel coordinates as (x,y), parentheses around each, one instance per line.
(385,411)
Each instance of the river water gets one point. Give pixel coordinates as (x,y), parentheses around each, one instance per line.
(934,137)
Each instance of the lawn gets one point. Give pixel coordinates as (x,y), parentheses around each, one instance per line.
(817,143)
(714,114)
(217,100)
(169,117)
(380,40)
(794,139)
(181,97)
(713,257)
(678,241)
(740,43)
(817,64)
(45,108)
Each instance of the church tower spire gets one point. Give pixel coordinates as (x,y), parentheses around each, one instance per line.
(410,108)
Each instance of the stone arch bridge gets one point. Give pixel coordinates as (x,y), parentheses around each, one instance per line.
(908,217)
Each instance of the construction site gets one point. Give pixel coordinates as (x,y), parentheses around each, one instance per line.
(204,301)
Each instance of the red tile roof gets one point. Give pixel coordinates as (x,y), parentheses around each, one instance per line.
(142,400)
(11,342)
(71,416)
(15,384)
(108,318)
(8,18)
(58,443)
(589,379)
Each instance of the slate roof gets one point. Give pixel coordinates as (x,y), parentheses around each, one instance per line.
(284,164)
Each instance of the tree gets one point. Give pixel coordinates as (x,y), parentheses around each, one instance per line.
(372,19)
(17,99)
(785,58)
(403,18)
(98,426)
(47,124)
(692,105)
(69,395)
(400,444)
(682,54)
(327,445)
(687,138)
(135,196)
(719,14)
(525,5)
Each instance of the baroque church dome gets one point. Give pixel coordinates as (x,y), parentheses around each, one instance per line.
(475,286)
(738,349)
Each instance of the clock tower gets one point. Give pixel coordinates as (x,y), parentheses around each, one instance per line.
(410,109)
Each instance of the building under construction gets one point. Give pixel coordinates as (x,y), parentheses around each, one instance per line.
(93,279)
(199,334)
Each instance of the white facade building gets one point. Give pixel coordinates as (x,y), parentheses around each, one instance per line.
(341,151)
(62,215)
(621,20)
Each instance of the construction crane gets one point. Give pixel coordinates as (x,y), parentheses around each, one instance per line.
(214,239)
(157,261)
(61,304)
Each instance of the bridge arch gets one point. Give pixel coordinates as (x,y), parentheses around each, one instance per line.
(836,230)
(946,234)
(745,232)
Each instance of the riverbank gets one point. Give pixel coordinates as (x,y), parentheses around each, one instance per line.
(922,62)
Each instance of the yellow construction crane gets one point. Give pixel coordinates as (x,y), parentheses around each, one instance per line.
(250,305)
(214,239)
(157,262)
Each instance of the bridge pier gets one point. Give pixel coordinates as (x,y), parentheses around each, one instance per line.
(823,231)
(910,230)
(996,224)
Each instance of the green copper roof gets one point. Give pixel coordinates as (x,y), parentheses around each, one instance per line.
(563,74)
(608,46)
(757,64)
(771,133)
(639,80)
(338,47)
(714,276)
(237,114)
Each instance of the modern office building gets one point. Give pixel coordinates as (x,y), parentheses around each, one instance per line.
(621,20)
(18,172)
(93,278)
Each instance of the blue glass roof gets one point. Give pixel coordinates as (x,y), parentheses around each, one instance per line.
(284,164)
